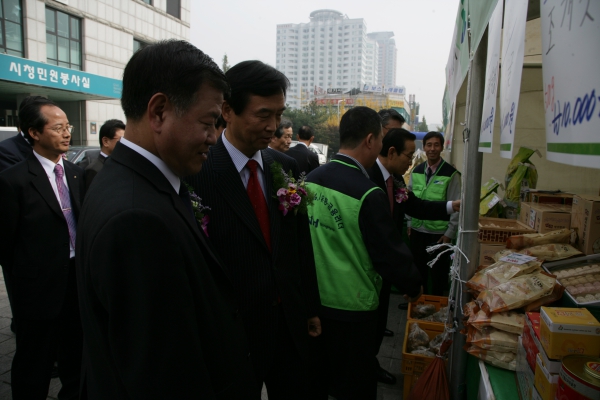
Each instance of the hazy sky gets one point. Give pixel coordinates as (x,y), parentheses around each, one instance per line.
(423,30)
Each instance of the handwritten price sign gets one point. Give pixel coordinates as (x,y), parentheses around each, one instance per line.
(571,55)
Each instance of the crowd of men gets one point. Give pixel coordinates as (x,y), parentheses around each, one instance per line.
(175,273)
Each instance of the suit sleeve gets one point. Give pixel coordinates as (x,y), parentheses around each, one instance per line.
(453,193)
(90,174)
(390,256)
(313,161)
(142,284)
(7,158)
(9,218)
(425,209)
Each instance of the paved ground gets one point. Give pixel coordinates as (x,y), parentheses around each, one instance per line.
(390,354)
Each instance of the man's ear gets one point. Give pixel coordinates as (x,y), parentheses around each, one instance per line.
(227,112)
(392,152)
(158,105)
(35,135)
(369,140)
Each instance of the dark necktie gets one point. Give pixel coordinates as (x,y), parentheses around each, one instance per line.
(258,201)
(184,194)
(65,202)
(390,191)
(428,174)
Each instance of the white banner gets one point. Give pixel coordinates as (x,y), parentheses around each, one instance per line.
(571,61)
(486,134)
(458,59)
(513,51)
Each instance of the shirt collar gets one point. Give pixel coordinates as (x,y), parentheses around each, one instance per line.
(103,155)
(240,159)
(158,163)
(302,143)
(359,165)
(384,170)
(48,165)
(435,166)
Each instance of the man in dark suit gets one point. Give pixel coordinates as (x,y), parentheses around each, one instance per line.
(158,312)
(39,208)
(393,161)
(307,160)
(390,119)
(110,133)
(267,254)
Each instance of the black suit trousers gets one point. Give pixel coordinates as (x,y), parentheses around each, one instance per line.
(419,241)
(40,342)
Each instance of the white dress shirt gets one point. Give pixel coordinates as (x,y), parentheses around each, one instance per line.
(49,169)
(240,160)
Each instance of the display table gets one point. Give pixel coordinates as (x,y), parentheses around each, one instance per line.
(493,383)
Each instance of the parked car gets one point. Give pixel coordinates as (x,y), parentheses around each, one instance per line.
(82,155)
(314,149)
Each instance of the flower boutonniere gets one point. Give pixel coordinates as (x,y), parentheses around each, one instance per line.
(291,193)
(199,210)
(400,191)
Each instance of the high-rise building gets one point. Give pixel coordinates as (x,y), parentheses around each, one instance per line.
(387,57)
(74,53)
(329,52)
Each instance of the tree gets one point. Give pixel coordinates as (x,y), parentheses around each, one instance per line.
(323,120)
(225,64)
(422,127)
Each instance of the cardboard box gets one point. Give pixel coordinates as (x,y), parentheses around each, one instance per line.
(487,252)
(524,213)
(566,331)
(545,218)
(525,375)
(545,382)
(586,218)
(497,230)
(549,197)
(530,343)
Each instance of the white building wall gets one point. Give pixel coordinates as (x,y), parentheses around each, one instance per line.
(108,29)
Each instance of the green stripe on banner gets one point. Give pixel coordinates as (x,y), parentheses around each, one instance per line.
(485,144)
(591,149)
(506,147)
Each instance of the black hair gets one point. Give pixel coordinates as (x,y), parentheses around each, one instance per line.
(356,124)
(305,132)
(389,113)
(175,68)
(283,125)
(431,135)
(396,138)
(30,115)
(220,124)
(253,78)
(109,129)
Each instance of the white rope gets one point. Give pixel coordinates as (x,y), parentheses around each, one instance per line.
(451,247)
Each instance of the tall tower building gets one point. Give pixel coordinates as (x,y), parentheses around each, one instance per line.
(329,52)
(387,57)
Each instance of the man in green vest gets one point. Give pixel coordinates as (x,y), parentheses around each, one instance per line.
(433,180)
(356,244)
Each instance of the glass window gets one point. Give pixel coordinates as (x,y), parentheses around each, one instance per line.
(147,2)
(174,8)
(63,39)
(11,27)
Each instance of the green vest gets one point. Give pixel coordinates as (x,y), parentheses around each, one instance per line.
(435,190)
(345,273)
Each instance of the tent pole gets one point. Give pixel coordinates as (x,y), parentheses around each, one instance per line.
(469,219)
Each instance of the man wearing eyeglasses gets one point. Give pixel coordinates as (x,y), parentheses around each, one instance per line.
(392,163)
(39,207)
(110,133)
(390,119)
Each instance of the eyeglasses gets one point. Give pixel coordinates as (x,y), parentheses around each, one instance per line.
(407,156)
(60,129)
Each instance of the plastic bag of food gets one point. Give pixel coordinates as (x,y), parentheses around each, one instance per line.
(501,272)
(508,321)
(518,242)
(525,175)
(421,311)
(490,186)
(545,252)
(426,353)
(554,296)
(490,338)
(435,343)
(417,337)
(522,156)
(441,315)
(516,293)
(470,308)
(506,360)
(488,206)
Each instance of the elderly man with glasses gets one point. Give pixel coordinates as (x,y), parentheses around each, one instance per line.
(390,119)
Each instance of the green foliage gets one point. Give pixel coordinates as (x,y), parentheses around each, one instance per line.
(422,127)
(319,118)
(225,66)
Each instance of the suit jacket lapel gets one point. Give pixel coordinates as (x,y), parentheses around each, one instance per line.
(275,215)
(42,185)
(232,189)
(73,182)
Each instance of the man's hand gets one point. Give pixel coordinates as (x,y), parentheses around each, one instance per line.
(408,231)
(445,239)
(314,326)
(456,205)
(413,299)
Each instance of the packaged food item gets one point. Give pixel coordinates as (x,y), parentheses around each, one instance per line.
(435,343)
(501,272)
(566,331)
(517,292)
(438,316)
(518,242)
(506,360)
(508,321)
(423,352)
(421,311)
(490,338)
(577,271)
(545,382)
(470,308)
(417,337)
(555,295)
